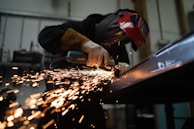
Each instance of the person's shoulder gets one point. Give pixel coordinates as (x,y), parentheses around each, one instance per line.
(126,10)
(94,18)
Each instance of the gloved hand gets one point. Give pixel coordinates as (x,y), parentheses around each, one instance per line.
(97,55)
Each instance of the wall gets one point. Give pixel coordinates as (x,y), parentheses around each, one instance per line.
(168,24)
(17,32)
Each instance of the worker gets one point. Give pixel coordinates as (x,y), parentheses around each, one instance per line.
(102,38)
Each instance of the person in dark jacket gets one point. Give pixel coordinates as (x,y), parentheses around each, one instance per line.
(102,38)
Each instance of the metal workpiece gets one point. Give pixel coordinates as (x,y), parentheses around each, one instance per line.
(165,76)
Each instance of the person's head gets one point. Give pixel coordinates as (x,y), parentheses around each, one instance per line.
(122,26)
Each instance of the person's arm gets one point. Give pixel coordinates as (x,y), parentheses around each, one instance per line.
(97,55)
(49,38)
(59,38)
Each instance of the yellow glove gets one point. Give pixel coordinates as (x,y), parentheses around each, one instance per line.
(72,39)
(97,55)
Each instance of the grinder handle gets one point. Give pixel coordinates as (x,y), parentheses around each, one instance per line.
(78,57)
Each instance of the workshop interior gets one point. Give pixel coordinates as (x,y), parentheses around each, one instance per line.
(156,92)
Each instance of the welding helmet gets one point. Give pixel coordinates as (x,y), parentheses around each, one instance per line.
(122,26)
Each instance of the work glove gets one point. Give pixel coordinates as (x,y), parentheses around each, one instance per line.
(97,55)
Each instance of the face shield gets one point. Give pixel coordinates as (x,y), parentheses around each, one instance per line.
(135,27)
(122,27)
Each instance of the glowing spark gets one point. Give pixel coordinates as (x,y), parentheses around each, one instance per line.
(18,112)
(13,91)
(13,104)
(10,124)
(15,68)
(10,118)
(35,115)
(64,112)
(7,84)
(48,124)
(81,119)
(1,98)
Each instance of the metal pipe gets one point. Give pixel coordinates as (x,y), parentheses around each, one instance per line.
(182,19)
(22,33)
(159,19)
(4,31)
(69,8)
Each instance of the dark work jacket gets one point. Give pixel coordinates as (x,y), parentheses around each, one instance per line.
(49,37)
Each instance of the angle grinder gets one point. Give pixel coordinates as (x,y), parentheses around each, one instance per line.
(80,58)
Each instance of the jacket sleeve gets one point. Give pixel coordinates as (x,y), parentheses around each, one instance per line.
(60,38)
(49,38)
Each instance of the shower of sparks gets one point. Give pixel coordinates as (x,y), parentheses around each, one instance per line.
(69,87)
(28,79)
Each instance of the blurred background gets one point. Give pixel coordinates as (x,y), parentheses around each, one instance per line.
(22,20)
